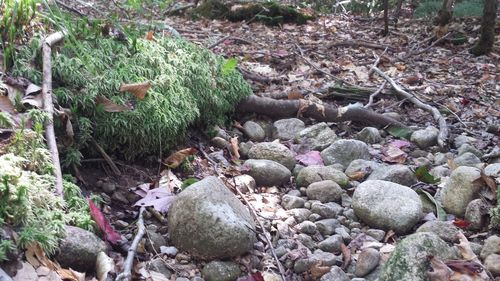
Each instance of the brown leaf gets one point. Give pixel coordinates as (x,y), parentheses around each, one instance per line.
(440,271)
(303,106)
(138,89)
(347,255)
(318,269)
(357,176)
(174,160)
(235,148)
(150,35)
(110,106)
(6,105)
(293,95)
(490,182)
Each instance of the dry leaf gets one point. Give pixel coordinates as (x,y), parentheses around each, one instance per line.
(440,271)
(150,36)
(357,176)
(70,274)
(6,105)
(303,106)
(174,160)
(318,269)
(294,95)
(103,266)
(235,148)
(138,89)
(110,106)
(321,109)
(347,255)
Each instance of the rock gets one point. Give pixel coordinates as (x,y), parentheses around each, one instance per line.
(492,170)
(273,151)
(331,244)
(335,274)
(440,172)
(344,233)
(245,183)
(345,151)
(369,135)
(155,241)
(326,210)
(312,174)
(324,191)
(387,205)
(327,226)
(169,251)
(108,187)
(292,202)
(378,234)
(491,246)
(267,172)
(82,244)
(254,131)
(287,129)
(245,147)
(221,271)
(469,148)
(317,136)
(220,142)
(460,190)
(218,156)
(306,227)
(208,221)
(306,240)
(158,265)
(467,159)
(442,158)
(25,273)
(368,260)
(294,192)
(324,258)
(492,264)
(425,138)
(445,230)
(400,174)
(361,166)
(476,214)
(422,162)
(409,260)
(462,139)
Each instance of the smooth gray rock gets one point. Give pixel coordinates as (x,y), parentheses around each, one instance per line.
(82,244)
(306,227)
(273,151)
(442,158)
(220,142)
(476,214)
(324,191)
(369,135)
(267,172)
(425,138)
(445,230)
(460,190)
(467,159)
(287,129)
(331,244)
(491,246)
(377,234)
(469,148)
(409,260)
(325,258)
(344,151)
(335,274)
(326,210)
(158,265)
(208,221)
(440,171)
(221,271)
(492,264)
(462,139)
(300,214)
(387,205)
(362,165)
(492,170)
(327,226)
(245,183)
(400,174)
(312,174)
(368,260)
(306,240)
(254,131)
(292,202)
(317,136)
(245,148)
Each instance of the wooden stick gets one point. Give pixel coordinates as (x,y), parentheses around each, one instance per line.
(48,106)
(372,96)
(126,274)
(106,157)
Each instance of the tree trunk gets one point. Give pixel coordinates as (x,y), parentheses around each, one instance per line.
(397,12)
(444,15)
(386,18)
(485,43)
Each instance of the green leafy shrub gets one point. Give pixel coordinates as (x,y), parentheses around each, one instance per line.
(495,213)
(189,87)
(466,8)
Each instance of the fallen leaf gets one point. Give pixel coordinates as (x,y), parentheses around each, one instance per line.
(357,176)
(318,269)
(109,233)
(138,89)
(310,158)
(159,198)
(423,175)
(174,160)
(393,154)
(235,148)
(257,276)
(103,266)
(452,164)
(294,95)
(468,267)
(110,106)
(399,132)
(7,106)
(440,271)
(150,36)
(441,214)
(347,255)
(463,224)
(400,144)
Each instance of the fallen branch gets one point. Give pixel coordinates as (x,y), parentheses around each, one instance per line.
(126,274)
(106,157)
(372,96)
(428,48)
(327,113)
(48,106)
(181,9)
(359,43)
(443,128)
(258,78)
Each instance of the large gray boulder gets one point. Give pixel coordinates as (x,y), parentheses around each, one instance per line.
(387,205)
(400,174)
(345,151)
(409,260)
(314,173)
(267,172)
(209,222)
(287,129)
(273,151)
(460,189)
(317,136)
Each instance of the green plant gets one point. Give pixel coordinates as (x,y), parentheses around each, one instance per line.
(15,16)
(495,213)
(5,247)
(465,8)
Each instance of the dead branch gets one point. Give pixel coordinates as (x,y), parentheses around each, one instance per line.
(258,78)
(126,274)
(372,96)
(359,43)
(428,48)
(48,105)
(327,113)
(218,42)
(181,9)
(106,157)
(443,128)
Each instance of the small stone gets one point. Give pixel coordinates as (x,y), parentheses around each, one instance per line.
(425,138)
(369,135)
(294,192)
(440,172)
(273,151)
(442,158)
(469,148)
(219,142)
(158,265)
(467,159)
(267,172)
(306,240)
(245,183)
(400,174)
(462,139)
(378,234)
(312,174)
(245,148)
(292,202)
(336,274)
(476,214)
(326,210)
(324,191)
(254,131)
(287,129)
(221,271)
(422,162)
(367,261)
(314,217)
(155,241)
(344,233)
(331,244)
(344,151)
(121,224)
(491,246)
(108,187)
(169,250)
(317,136)
(460,189)
(300,214)
(492,170)
(120,196)
(445,230)
(492,263)
(306,227)
(327,226)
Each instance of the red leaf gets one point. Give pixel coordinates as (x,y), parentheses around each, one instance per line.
(461,223)
(109,233)
(310,158)
(257,276)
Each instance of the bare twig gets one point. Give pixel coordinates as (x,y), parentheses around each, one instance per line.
(372,96)
(126,274)
(428,48)
(71,9)
(48,105)
(218,42)
(443,128)
(377,61)
(180,9)
(106,157)
(359,43)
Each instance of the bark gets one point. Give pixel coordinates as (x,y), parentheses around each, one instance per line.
(290,108)
(445,13)
(397,12)
(485,43)
(386,18)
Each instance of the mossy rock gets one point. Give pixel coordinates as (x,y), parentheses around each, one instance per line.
(190,87)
